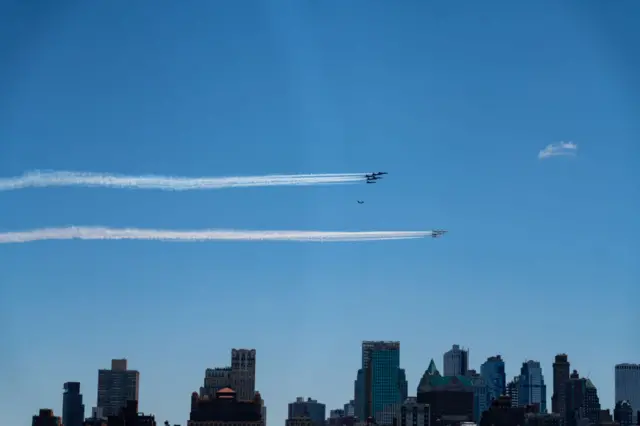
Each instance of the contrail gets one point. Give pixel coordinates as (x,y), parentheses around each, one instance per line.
(102,233)
(44,178)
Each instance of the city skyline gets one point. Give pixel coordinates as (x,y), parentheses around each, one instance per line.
(239,357)
(476,112)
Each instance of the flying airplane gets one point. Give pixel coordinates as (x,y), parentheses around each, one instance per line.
(375,176)
(360,202)
(371,181)
(438,233)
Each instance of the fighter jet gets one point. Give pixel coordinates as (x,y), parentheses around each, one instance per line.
(360,202)
(438,233)
(375,176)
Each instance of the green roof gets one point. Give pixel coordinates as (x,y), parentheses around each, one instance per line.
(432,370)
(433,379)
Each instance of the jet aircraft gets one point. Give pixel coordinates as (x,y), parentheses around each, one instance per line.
(438,233)
(360,202)
(375,176)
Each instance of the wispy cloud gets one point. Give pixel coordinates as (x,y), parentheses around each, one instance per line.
(559,149)
(42,179)
(102,233)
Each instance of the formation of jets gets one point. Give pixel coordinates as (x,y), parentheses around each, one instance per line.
(375,176)
(438,233)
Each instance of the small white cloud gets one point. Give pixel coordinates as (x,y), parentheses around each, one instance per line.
(558,149)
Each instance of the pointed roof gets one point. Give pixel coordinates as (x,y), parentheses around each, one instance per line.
(432,370)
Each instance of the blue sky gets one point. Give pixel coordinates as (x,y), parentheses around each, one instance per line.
(455,101)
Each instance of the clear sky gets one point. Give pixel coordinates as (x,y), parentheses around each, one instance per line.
(454,100)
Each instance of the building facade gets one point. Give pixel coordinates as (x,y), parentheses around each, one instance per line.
(243,373)
(513,390)
(117,386)
(72,406)
(480,395)
(450,398)
(581,401)
(310,408)
(413,413)
(532,390)
(381,386)
(455,361)
(225,409)
(561,371)
(492,371)
(627,386)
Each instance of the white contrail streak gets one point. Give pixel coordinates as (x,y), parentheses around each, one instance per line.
(101,233)
(42,179)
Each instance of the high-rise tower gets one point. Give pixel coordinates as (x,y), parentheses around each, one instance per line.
(243,373)
(627,386)
(381,385)
(561,371)
(456,361)
(72,406)
(532,389)
(117,386)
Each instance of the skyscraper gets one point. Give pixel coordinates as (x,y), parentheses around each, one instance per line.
(581,401)
(116,387)
(381,386)
(492,371)
(72,406)
(532,389)
(627,386)
(561,370)
(480,399)
(456,361)
(243,373)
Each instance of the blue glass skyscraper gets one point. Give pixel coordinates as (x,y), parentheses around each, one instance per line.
(532,389)
(492,371)
(381,385)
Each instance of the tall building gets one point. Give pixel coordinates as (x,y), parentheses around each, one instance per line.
(627,386)
(350,409)
(513,388)
(480,395)
(214,380)
(581,401)
(243,373)
(46,418)
(117,386)
(561,370)
(310,408)
(72,406)
(492,371)
(532,390)
(456,361)
(381,386)
(450,398)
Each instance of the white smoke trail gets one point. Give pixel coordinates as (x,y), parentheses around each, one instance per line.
(41,179)
(101,233)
